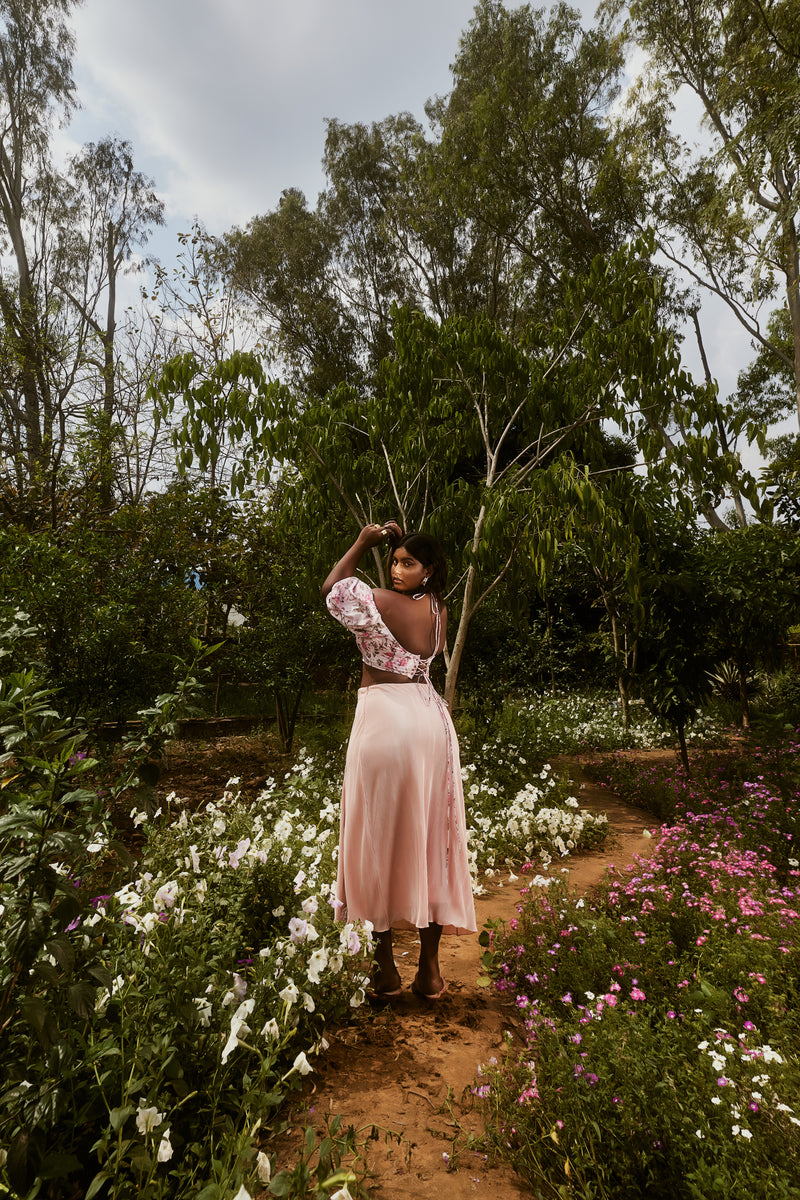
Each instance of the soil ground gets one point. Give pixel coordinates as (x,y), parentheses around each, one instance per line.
(406,1069)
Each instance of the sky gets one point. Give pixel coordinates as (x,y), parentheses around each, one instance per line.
(225,101)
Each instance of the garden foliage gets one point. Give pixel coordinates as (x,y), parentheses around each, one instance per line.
(660,1015)
(155,1013)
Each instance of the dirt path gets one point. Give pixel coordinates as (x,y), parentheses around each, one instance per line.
(409,1068)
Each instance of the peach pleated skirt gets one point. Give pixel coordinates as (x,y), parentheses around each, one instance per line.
(403,844)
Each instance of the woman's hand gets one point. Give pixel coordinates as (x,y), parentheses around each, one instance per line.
(376,535)
(371,535)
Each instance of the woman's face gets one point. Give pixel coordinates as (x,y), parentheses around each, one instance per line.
(407,572)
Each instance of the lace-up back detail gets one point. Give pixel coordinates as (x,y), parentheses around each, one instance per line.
(352,603)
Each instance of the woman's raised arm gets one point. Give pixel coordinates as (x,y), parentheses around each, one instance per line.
(370,535)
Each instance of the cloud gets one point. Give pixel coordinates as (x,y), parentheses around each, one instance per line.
(225,100)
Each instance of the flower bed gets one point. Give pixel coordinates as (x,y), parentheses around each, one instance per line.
(181,1005)
(661,1022)
(571,723)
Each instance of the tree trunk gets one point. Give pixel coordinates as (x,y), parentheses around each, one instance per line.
(461,637)
(466,615)
(793,299)
(106,466)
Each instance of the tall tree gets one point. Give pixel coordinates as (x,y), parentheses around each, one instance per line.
(727,214)
(525,139)
(114,208)
(480,438)
(515,180)
(36,86)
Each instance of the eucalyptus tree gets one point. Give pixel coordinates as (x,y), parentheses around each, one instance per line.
(514,180)
(36,87)
(113,209)
(526,144)
(727,214)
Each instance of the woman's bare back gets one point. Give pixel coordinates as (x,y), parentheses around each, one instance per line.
(412,622)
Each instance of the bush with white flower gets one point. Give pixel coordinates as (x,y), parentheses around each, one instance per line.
(159,1012)
(543,725)
(538,819)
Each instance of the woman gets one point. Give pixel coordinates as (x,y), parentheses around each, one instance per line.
(403,842)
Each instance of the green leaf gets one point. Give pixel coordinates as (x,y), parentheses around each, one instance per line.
(81,998)
(281,1184)
(101,1178)
(118,1116)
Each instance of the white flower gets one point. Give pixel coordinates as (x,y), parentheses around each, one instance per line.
(271,1030)
(203,1010)
(237,992)
(342,1194)
(289,994)
(238,1025)
(263,1167)
(242,1194)
(298,929)
(302,1065)
(310,906)
(147,1119)
(166,895)
(317,963)
(164,1153)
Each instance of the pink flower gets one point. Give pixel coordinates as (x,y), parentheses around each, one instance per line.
(637,994)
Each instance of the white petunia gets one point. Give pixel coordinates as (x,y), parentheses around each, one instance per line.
(147,1119)
(289,994)
(271,1030)
(263,1167)
(316,964)
(302,1065)
(164,1153)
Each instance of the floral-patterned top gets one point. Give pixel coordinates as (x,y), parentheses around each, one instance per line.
(352,603)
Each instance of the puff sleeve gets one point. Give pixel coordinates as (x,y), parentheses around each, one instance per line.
(352,603)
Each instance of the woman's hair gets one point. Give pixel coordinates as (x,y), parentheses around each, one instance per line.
(428,551)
